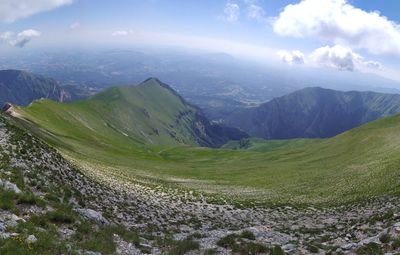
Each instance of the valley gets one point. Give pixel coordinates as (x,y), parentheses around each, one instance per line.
(92,212)
(97,134)
(149,173)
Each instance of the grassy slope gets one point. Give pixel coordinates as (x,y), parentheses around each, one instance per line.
(360,163)
(261,145)
(138,113)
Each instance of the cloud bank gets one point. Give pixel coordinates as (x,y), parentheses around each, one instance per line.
(339,22)
(11,10)
(18,40)
(337,57)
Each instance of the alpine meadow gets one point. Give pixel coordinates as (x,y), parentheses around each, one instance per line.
(199,127)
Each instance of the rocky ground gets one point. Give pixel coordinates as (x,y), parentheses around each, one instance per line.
(47,206)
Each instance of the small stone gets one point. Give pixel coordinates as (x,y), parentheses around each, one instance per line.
(373,239)
(289,247)
(397,227)
(31,239)
(91,253)
(349,246)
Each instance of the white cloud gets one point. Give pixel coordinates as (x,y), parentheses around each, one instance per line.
(75,25)
(19,40)
(120,33)
(339,22)
(11,10)
(256,12)
(373,64)
(341,58)
(337,57)
(231,12)
(291,57)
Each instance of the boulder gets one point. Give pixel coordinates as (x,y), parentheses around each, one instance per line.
(6,107)
(10,186)
(92,215)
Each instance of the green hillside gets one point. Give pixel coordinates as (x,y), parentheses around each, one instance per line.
(261,145)
(104,136)
(150,113)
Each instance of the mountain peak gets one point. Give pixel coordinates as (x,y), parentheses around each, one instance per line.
(156,81)
(152,80)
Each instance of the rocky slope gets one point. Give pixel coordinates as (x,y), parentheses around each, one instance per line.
(314,113)
(21,88)
(48,206)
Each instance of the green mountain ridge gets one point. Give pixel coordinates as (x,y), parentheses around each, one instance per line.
(150,113)
(314,113)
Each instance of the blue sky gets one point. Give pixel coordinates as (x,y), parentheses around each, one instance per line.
(353,35)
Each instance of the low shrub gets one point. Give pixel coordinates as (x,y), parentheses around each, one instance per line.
(184,246)
(385,238)
(369,249)
(61,215)
(248,235)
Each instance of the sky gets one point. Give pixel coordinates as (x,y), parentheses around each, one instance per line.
(344,35)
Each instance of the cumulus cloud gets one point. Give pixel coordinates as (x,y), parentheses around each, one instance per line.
(75,25)
(19,40)
(291,57)
(338,57)
(11,10)
(339,22)
(120,33)
(231,12)
(341,58)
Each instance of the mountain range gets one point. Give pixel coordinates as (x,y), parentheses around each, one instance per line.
(21,88)
(137,156)
(307,113)
(313,113)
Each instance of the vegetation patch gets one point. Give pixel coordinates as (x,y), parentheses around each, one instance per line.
(183,246)
(30,199)
(7,199)
(62,215)
(370,249)
(241,245)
